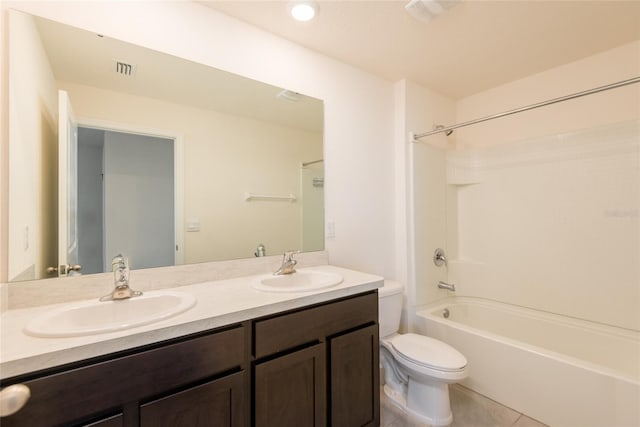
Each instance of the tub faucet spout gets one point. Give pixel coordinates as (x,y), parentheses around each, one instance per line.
(449,286)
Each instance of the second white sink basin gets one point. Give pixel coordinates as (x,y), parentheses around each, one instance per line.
(96,317)
(300,281)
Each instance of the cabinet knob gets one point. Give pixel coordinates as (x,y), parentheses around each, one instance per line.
(13,398)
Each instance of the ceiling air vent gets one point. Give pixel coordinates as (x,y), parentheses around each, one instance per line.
(124,68)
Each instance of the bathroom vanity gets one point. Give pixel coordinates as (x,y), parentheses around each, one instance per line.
(312,364)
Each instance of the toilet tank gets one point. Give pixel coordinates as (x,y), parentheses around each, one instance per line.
(389,307)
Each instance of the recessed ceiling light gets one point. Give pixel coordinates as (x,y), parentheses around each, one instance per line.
(303,10)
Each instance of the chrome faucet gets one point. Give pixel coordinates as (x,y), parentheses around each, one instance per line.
(120,267)
(260,251)
(449,286)
(288,264)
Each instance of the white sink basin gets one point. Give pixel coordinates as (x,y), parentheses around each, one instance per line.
(96,317)
(300,281)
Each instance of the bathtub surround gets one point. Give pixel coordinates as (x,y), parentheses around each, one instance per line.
(570,172)
(529,220)
(578,194)
(524,207)
(435,190)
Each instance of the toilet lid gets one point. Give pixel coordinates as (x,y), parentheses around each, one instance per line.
(429,352)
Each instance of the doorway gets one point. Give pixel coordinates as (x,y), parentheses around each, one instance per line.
(126,199)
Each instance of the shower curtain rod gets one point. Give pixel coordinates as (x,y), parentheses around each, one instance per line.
(311,163)
(528,107)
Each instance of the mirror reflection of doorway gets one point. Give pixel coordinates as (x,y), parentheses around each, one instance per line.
(125,199)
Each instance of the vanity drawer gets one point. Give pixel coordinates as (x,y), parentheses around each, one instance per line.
(276,334)
(79,393)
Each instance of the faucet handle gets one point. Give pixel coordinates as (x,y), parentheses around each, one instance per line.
(439,258)
(119,261)
(288,255)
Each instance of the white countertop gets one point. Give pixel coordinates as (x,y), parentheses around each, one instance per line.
(219,303)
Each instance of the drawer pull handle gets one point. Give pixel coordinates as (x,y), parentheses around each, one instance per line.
(13,398)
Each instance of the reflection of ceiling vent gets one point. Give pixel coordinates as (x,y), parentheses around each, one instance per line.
(289,95)
(124,68)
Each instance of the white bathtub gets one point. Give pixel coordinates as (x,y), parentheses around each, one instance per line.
(561,371)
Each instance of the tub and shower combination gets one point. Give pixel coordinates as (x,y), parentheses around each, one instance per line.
(509,202)
(559,370)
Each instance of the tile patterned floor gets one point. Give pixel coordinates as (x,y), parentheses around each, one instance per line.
(469,409)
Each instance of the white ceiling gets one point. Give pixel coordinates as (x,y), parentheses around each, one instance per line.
(474,46)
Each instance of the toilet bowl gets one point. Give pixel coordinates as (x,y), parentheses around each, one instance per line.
(417,369)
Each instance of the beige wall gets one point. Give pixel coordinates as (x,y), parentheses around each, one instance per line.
(224,157)
(33,151)
(606,107)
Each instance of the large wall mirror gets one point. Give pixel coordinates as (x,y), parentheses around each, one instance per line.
(116,148)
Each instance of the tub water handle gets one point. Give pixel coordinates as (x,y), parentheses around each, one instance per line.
(439,258)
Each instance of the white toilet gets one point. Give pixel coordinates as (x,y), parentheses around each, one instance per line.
(417,369)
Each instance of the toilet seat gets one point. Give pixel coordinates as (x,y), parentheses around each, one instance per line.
(428,353)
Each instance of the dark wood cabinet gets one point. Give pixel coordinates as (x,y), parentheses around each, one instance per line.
(110,392)
(313,366)
(291,390)
(318,366)
(354,381)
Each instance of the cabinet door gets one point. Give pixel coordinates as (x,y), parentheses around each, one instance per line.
(354,378)
(217,403)
(109,385)
(291,390)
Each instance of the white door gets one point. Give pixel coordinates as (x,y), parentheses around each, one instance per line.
(139,205)
(67,185)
